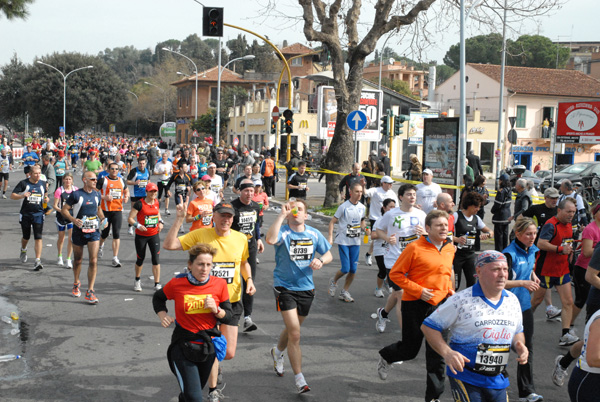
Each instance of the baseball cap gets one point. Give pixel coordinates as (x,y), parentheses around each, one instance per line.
(206,178)
(551,193)
(224,208)
(268,154)
(257,182)
(151,187)
(428,171)
(387,179)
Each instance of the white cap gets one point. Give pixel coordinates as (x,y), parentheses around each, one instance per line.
(387,179)
(428,171)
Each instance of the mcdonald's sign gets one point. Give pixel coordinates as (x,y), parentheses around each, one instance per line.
(304,124)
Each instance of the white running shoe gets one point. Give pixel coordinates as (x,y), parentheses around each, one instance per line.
(382,368)
(116,263)
(60,262)
(277,363)
(345,296)
(332,287)
(23,256)
(378,292)
(157,286)
(553,313)
(167,212)
(69,263)
(559,374)
(568,339)
(137,286)
(381,322)
(369,259)
(101,251)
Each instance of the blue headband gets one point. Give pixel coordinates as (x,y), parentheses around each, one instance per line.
(489,256)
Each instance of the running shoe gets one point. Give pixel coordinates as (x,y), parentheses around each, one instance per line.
(552,312)
(378,292)
(76,292)
(568,339)
(4,196)
(345,296)
(249,326)
(277,363)
(381,322)
(60,262)
(368,259)
(559,374)
(91,297)
(216,395)
(38,266)
(332,287)
(23,256)
(101,251)
(69,263)
(130,231)
(167,212)
(533,397)
(157,286)
(137,286)
(257,261)
(116,263)
(382,368)
(302,387)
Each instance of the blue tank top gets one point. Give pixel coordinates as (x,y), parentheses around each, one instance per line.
(144,178)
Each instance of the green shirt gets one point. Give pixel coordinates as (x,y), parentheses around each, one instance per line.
(470,172)
(92,166)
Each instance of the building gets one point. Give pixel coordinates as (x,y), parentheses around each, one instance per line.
(585,57)
(399,71)
(530,95)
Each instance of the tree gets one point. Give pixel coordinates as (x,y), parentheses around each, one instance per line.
(13,9)
(398,86)
(336,24)
(537,51)
(485,49)
(442,73)
(13,79)
(128,62)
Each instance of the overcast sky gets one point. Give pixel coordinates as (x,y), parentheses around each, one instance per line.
(91,26)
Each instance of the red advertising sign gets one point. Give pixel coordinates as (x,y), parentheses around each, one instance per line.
(578,122)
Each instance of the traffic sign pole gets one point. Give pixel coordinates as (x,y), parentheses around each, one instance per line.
(356,121)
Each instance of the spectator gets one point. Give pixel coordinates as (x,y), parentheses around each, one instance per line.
(475,163)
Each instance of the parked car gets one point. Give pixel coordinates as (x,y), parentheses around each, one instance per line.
(580,174)
(542,174)
(527,175)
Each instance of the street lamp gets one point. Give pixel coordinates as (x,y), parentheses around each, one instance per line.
(218,124)
(64,89)
(164,99)
(136,118)
(195,71)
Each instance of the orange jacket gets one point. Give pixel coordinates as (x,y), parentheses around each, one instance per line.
(420,266)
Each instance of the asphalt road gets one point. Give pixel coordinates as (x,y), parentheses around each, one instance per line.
(115,351)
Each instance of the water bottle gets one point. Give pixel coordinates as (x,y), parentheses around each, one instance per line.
(6,319)
(366,236)
(7,358)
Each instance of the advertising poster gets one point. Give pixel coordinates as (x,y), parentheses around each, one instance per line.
(578,123)
(168,129)
(416,125)
(370,104)
(440,148)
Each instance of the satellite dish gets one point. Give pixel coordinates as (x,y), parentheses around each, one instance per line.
(391,61)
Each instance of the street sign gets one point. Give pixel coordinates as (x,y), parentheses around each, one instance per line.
(356,120)
(512,136)
(195,133)
(275,114)
(236,141)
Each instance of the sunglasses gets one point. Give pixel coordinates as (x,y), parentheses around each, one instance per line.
(94,179)
(199,189)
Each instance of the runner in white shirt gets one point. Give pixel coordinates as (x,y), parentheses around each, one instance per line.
(216,182)
(350,218)
(377,196)
(380,248)
(427,192)
(164,169)
(398,227)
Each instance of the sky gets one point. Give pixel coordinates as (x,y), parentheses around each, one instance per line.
(92,26)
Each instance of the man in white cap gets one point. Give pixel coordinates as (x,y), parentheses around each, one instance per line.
(377,196)
(216,181)
(427,192)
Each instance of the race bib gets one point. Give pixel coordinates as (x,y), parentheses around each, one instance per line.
(225,270)
(215,187)
(490,359)
(34,198)
(60,172)
(90,224)
(4,163)
(151,221)
(115,193)
(302,186)
(246,222)
(181,188)
(301,250)
(471,240)
(143,183)
(353,231)
(207,220)
(566,242)
(405,241)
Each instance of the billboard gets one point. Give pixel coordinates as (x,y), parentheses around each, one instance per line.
(440,148)
(370,102)
(416,125)
(168,129)
(578,122)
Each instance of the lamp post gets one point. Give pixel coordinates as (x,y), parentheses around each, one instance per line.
(381,57)
(64,89)
(164,99)
(195,72)
(218,124)
(136,119)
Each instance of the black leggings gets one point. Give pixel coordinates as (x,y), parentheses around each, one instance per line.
(584,386)
(247,300)
(59,181)
(381,266)
(153,243)
(525,371)
(192,377)
(115,219)
(582,287)
(464,262)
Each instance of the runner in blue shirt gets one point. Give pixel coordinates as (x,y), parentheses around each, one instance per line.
(29,157)
(295,260)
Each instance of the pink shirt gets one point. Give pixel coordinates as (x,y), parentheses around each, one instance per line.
(591,231)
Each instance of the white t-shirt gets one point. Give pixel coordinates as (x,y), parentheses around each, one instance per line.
(164,169)
(426,196)
(380,246)
(402,224)
(349,216)
(5,163)
(582,361)
(377,196)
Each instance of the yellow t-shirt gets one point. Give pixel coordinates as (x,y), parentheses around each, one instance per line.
(231,251)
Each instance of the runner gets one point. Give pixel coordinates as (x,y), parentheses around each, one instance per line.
(480,337)
(247,175)
(380,248)
(296,245)
(63,226)
(230,263)
(427,192)
(200,210)
(164,169)
(298,182)
(398,228)
(88,221)
(93,164)
(138,177)
(216,182)
(584,385)
(114,194)
(260,197)
(377,195)
(145,216)
(424,271)
(189,361)
(182,182)
(6,167)
(34,194)
(60,167)
(350,218)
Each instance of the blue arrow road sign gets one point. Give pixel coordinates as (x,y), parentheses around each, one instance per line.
(356,120)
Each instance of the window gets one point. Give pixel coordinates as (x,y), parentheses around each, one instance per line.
(521,116)
(486,155)
(179,96)
(297,62)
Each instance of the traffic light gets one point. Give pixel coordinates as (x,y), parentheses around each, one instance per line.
(273,127)
(288,121)
(212,21)
(399,124)
(385,125)
(213,125)
(281,126)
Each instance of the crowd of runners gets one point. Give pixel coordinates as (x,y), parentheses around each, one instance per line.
(423,246)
